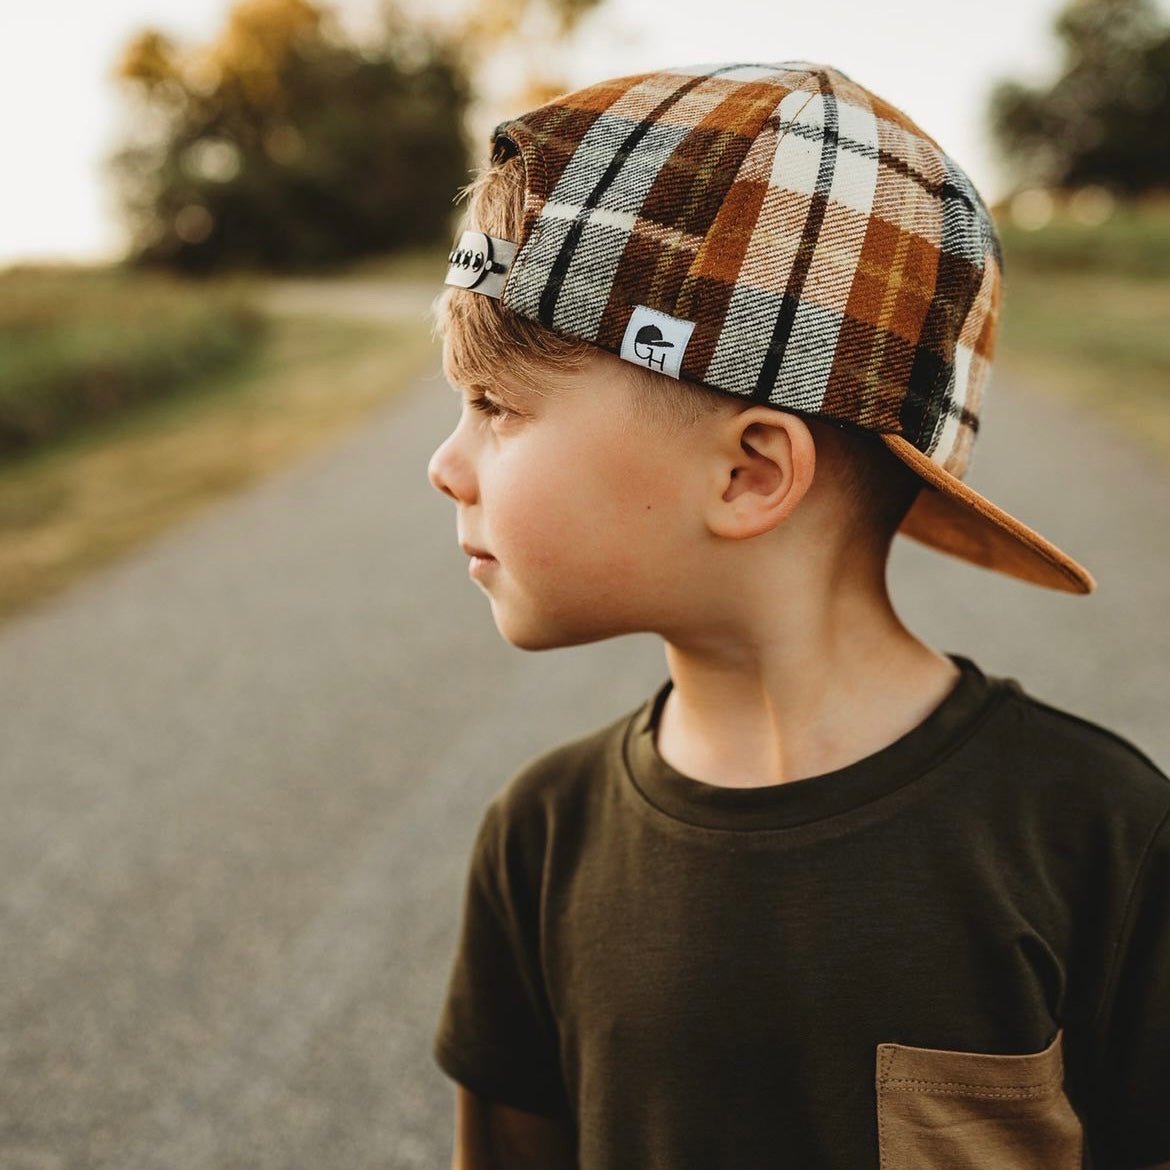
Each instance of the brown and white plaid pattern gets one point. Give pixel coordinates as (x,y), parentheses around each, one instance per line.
(831,257)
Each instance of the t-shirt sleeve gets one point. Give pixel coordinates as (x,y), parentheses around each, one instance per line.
(1134,1120)
(496,1033)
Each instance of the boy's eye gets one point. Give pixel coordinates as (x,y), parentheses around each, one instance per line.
(490,407)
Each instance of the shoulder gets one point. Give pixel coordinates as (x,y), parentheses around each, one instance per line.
(1084,739)
(550,776)
(555,788)
(1081,756)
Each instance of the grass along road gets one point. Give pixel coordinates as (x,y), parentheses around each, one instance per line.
(1100,339)
(336,351)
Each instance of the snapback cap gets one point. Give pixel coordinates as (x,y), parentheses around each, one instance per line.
(779,233)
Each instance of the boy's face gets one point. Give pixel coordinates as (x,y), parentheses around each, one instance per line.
(582,507)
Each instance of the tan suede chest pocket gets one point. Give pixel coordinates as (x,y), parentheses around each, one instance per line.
(944,1110)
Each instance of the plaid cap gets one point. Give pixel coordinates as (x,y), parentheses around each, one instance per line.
(779,233)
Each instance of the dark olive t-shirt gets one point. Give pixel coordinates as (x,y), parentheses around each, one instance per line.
(952,953)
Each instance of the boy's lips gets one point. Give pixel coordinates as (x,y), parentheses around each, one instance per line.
(472,551)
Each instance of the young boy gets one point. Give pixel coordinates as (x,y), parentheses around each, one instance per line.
(829,898)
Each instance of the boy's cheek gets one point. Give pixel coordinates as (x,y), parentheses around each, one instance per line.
(640,480)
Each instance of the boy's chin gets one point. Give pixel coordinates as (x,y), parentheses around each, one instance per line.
(536,634)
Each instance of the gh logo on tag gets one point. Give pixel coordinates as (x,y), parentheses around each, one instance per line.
(656,340)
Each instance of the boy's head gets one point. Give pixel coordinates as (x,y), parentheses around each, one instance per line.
(727,276)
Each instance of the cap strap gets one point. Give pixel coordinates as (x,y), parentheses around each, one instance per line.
(481,263)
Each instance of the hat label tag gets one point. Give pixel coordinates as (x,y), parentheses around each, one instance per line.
(656,340)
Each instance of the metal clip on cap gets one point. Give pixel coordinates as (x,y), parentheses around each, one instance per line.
(480,262)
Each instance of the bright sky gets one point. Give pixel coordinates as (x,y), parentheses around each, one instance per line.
(61,114)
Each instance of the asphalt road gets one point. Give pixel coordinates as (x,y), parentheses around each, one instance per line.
(241,771)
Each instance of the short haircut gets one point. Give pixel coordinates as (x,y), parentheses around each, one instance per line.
(484,336)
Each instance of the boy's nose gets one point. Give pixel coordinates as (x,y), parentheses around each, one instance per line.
(448,473)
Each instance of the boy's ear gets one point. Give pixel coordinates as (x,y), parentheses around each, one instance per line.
(763,462)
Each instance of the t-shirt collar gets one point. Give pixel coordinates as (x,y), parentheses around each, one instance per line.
(812,798)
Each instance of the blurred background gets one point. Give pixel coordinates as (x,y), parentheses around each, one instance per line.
(250,707)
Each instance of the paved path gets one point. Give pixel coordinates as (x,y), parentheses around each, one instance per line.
(241,772)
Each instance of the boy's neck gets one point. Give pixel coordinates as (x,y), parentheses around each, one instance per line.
(798,707)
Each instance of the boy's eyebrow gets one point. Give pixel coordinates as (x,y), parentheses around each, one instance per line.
(513,395)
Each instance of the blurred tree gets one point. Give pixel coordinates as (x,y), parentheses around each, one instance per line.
(1103,122)
(281,146)
(519,32)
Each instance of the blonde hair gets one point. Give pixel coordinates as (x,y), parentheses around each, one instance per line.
(483,336)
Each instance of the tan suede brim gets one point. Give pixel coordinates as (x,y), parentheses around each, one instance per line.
(953,517)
